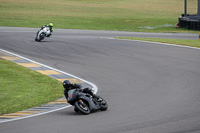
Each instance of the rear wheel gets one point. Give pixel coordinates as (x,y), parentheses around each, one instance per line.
(82,106)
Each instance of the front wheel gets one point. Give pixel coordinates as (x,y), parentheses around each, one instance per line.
(36,39)
(82,106)
(104,105)
(41,36)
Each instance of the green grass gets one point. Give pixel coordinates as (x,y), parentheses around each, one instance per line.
(22,88)
(122,15)
(184,42)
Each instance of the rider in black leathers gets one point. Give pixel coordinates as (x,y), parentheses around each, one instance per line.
(69,86)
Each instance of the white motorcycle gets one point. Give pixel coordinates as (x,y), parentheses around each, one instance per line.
(42,34)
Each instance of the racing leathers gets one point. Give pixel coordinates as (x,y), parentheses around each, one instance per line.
(76,86)
(50,27)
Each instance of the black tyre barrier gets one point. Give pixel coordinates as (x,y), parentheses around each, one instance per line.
(190,22)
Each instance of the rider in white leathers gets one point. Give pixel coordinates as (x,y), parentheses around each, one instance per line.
(50,25)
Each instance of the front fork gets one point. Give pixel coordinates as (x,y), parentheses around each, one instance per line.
(37,34)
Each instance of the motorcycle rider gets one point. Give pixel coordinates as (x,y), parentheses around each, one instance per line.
(50,25)
(69,86)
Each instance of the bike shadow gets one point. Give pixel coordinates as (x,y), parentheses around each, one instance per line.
(71,112)
(41,41)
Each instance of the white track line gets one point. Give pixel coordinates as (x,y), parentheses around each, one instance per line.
(168,44)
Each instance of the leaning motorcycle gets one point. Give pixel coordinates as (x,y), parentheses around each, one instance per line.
(85,103)
(42,34)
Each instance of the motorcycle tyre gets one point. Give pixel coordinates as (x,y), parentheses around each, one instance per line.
(104,106)
(76,110)
(83,111)
(36,39)
(42,36)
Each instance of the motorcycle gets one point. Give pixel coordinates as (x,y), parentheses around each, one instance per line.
(42,34)
(85,103)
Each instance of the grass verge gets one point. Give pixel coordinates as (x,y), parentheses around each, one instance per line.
(22,88)
(121,15)
(184,42)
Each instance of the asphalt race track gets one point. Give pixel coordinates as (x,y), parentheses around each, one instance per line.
(150,88)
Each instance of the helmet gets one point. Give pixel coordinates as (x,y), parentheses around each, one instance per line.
(67,84)
(51,24)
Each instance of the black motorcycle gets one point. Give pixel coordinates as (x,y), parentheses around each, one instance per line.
(85,103)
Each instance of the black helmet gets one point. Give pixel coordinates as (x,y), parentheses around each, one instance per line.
(67,84)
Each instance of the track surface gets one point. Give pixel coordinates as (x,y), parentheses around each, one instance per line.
(150,88)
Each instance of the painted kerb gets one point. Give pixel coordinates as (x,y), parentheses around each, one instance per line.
(48,71)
